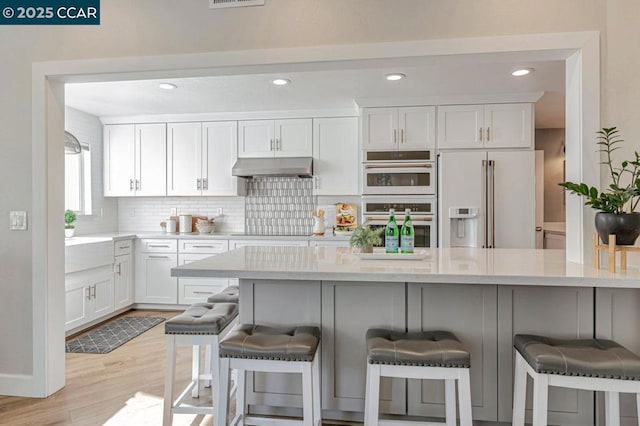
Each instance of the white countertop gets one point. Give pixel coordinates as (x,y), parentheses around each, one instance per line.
(457,265)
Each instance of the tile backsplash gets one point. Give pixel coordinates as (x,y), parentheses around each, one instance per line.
(145,214)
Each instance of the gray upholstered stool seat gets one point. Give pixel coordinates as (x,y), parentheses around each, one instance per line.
(230,294)
(202,318)
(428,348)
(586,357)
(261,342)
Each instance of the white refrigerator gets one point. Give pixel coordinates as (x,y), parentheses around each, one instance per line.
(486,199)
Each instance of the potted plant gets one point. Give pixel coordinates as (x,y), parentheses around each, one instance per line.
(365,238)
(617,204)
(69,227)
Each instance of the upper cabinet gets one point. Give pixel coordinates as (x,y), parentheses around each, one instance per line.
(135,160)
(200,158)
(485,126)
(275,138)
(335,156)
(404,128)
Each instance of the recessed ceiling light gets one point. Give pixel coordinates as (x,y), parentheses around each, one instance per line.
(167,86)
(521,72)
(281,81)
(395,76)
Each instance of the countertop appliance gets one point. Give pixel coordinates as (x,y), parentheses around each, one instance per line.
(423,214)
(486,199)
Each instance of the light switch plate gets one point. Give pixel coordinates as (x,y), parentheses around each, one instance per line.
(18,220)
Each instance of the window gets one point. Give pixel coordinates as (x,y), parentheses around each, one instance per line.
(77,181)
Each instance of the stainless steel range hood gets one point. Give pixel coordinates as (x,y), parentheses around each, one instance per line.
(252,167)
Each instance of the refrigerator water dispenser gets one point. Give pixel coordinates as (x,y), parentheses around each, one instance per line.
(464,226)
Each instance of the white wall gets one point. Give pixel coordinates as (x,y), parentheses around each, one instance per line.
(551,141)
(156,27)
(88,129)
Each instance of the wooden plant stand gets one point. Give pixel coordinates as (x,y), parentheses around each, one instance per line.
(611,248)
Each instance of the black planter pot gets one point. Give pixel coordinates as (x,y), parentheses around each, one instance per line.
(625,226)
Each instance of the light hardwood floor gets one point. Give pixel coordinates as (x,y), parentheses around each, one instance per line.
(124,387)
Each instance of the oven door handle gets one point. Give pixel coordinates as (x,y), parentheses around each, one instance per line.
(398,166)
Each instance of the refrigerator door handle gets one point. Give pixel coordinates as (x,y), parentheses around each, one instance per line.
(485,202)
(492,166)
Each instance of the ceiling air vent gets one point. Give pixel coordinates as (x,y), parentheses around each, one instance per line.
(218,4)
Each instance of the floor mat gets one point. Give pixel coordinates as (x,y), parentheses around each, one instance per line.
(108,337)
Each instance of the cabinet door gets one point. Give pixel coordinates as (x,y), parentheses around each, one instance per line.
(380,128)
(294,138)
(184,158)
(102,295)
(256,138)
(123,281)
(349,309)
(77,297)
(151,155)
(513,205)
(559,312)
(417,128)
(460,126)
(508,126)
(335,156)
(119,160)
(470,312)
(219,153)
(154,283)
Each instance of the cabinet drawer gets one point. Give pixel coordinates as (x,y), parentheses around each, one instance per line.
(203,246)
(196,290)
(158,246)
(122,247)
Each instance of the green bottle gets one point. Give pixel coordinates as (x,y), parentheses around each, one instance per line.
(391,234)
(407,234)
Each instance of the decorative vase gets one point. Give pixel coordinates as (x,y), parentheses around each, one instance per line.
(68,232)
(366,249)
(625,226)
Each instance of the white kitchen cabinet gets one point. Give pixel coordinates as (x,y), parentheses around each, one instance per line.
(135,160)
(404,128)
(123,274)
(485,126)
(153,280)
(275,138)
(200,157)
(335,156)
(196,290)
(88,296)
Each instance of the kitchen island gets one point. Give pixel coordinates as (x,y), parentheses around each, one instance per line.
(484,296)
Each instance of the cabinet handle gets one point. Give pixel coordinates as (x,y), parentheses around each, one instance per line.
(204,247)
(88,293)
(480,134)
(488,134)
(158,257)
(395,136)
(401,135)
(205,184)
(130,184)
(119,269)
(159,246)
(270,144)
(202,292)
(278,145)
(124,247)
(138,184)
(198,184)
(93,291)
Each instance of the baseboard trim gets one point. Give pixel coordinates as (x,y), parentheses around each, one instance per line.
(17,385)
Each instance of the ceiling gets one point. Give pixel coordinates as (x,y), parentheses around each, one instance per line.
(330,89)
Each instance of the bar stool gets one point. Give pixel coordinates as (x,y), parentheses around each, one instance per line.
(272,350)
(437,355)
(589,364)
(200,324)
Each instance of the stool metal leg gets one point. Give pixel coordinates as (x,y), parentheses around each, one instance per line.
(317,398)
(167,415)
(195,371)
(464,397)
(612,407)
(307,394)
(519,391)
(222,394)
(540,399)
(372,396)
(450,401)
(241,396)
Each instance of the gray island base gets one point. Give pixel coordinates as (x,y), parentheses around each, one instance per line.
(484,296)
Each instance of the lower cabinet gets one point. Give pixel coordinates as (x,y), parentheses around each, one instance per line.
(123,281)
(561,312)
(349,309)
(88,296)
(470,312)
(154,260)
